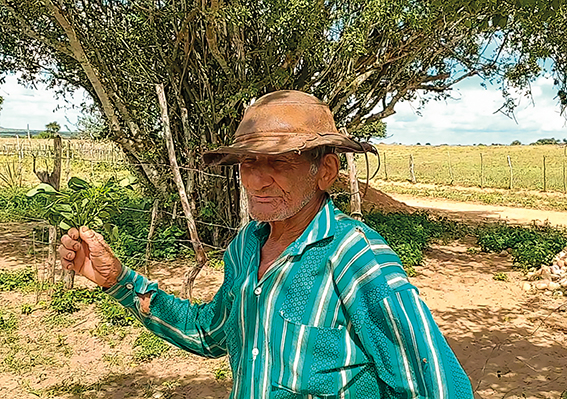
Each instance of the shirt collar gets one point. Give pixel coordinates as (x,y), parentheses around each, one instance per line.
(322,226)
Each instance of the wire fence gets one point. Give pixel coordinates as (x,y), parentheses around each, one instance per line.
(96,162)
(542,168)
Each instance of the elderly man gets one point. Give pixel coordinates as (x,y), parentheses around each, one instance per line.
(314,304)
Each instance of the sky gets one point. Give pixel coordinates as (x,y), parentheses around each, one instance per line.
(468,117)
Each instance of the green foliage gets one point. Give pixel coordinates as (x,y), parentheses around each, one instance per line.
(68,301)
(500,276)
(222,372)
(8,322)
(409,234)
(113,313)
(15,206)
(44,135)
(11,176)
(148,346)
(20,280)
(365,132)
(26,309)
(83,204)
(531,246)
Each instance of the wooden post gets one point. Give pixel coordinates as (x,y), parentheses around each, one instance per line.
(68,161)
(564,182)
(511,173)
(355,201)
(385,167)
(411,168)
(201,257)
(544,174)
(53,178)
(450,169)
(52,257)
(481,171)
(150,235)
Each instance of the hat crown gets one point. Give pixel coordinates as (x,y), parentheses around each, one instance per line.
(288,112)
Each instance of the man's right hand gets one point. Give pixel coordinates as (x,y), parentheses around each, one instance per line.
(90,256)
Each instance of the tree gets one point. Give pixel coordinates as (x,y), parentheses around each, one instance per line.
(361,57)
(516,142)
(51,130)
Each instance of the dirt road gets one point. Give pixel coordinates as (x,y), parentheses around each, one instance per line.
(472,211)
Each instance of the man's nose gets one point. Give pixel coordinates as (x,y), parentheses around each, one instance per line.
(256,178)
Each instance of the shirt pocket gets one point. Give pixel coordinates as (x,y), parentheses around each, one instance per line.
(307,360)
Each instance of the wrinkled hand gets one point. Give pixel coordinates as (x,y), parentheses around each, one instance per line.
(91,257)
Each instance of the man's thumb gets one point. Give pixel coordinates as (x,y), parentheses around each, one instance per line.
(88,236)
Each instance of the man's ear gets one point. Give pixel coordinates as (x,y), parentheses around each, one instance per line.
(328,171)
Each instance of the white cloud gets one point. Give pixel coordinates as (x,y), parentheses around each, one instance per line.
(36,107)
(470,117)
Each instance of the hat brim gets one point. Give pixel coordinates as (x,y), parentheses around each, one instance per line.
(275,143)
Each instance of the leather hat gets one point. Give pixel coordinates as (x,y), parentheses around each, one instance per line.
(281,122)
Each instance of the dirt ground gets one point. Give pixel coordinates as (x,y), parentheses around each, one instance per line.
(512,344)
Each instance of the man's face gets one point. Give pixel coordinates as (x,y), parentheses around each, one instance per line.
(278,186)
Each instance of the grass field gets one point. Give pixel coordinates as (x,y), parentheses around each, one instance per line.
(95,161)
(475,166)
(455,173)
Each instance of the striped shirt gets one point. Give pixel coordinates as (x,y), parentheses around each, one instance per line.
(334,317)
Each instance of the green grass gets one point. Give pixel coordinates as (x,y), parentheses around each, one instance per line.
(461,165)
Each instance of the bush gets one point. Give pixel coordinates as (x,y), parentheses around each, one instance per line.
(531,246)
(20,280)
(410,234)
(68,301)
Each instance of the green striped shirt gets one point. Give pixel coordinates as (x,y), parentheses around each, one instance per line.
(334,317)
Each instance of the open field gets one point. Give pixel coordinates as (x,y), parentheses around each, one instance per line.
(95,161)
(475,166)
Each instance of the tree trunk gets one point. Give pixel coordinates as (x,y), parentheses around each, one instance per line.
(201,257)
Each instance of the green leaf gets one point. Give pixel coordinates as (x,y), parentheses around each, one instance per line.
(63,208)
(67,215)
(114,233)
(77,184)
(127,181)
(42,188)
(64,225)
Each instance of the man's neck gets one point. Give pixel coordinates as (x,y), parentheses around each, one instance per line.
(288,230)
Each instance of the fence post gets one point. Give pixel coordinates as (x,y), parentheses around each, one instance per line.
(411,168)
(150,235)
(481,171)
(355,203)
(564,154)
(385,167)
(511,172)
(544,175)
(450,169)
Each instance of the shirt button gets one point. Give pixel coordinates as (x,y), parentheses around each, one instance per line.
(258,291)
(130,286)
(255,352)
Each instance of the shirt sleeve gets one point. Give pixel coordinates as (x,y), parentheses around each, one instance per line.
(394,327)
(197,328)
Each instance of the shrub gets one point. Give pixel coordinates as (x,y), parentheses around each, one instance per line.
(532,246)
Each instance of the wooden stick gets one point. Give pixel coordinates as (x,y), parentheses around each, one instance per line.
(201,257)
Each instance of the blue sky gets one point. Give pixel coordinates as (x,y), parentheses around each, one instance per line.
(467,118)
